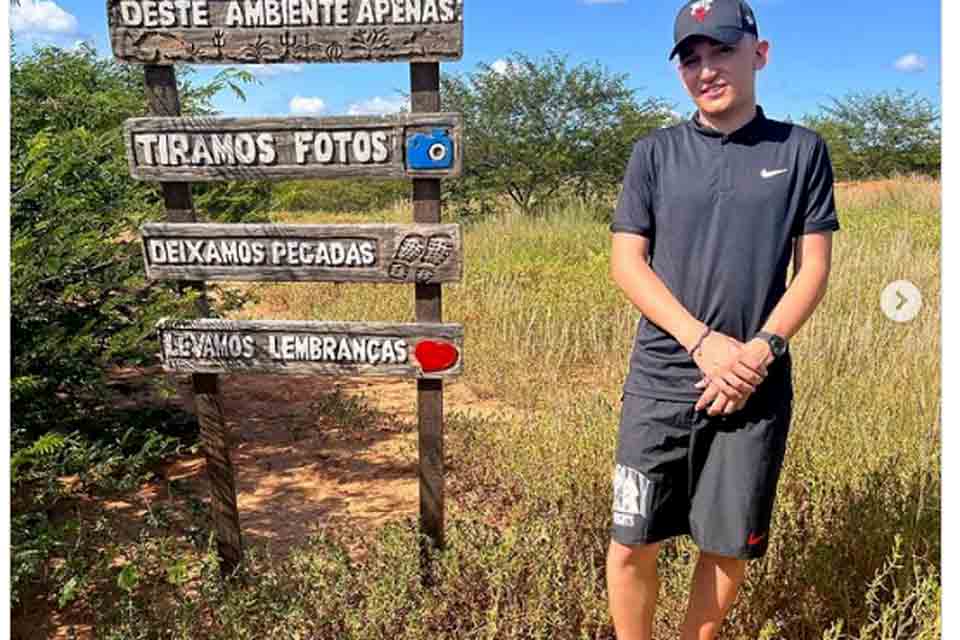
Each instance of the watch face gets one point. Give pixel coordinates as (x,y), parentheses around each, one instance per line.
(778,345)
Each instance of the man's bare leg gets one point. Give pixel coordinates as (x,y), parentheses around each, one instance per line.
(632,585)
(716,580)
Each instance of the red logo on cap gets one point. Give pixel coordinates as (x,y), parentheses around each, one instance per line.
(700,9)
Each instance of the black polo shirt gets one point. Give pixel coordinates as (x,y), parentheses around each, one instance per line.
(721,211)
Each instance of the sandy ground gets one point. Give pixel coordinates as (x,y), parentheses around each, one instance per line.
(295,471)
(309,453)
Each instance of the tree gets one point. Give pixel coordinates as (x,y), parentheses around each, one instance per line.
(79,296)
(534,127)
(880,134)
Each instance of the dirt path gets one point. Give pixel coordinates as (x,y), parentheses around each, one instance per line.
(309,453)
(312,452)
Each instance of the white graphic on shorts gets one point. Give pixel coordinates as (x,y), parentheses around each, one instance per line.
(630,491)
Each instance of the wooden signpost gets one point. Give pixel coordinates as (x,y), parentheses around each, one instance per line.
(270,31)
(204,149)
(164,100)
(425,97)
(424,146)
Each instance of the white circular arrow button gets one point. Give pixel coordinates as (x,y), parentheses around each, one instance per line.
(901,301)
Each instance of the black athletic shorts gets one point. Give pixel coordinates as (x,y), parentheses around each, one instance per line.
(682,471)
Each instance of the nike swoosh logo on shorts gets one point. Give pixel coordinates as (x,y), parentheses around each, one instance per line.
(753,539)
(769,174)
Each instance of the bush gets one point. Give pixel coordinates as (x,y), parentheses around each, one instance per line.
(535,127)
(880,135)
(80,301)
(79,296)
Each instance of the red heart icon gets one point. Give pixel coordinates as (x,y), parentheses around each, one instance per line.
(436,356)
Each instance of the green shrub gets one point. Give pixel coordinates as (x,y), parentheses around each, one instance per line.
(539,126)
(79,299)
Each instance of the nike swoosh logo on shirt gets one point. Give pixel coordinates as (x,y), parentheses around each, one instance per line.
(769,174)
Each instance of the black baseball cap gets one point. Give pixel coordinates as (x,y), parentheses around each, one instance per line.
(723,20)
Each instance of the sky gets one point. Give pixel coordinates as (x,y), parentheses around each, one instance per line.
(819,50)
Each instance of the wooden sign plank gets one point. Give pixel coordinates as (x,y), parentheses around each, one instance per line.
(384,253)
(208,149)
(426,350)
(285,31)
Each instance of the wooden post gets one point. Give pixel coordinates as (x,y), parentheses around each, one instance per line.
(164,100)
(425,96)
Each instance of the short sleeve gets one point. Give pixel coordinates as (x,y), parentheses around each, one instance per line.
(819,212)
(634,212)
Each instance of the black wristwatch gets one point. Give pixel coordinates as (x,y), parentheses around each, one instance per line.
(778,345)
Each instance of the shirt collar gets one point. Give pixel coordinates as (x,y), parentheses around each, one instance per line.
(744,132)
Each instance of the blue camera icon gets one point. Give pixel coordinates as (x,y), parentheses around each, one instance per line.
(426,152)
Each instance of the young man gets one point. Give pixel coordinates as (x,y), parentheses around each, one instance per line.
(717,204)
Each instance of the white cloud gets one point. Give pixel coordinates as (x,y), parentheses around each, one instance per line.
(271,70)
(41,17)
(379,105)
(501,66)
(311,106)
(911,63)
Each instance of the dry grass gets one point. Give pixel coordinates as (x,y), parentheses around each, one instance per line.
(854,550)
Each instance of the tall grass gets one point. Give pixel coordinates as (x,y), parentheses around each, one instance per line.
(536,301)
(854,548)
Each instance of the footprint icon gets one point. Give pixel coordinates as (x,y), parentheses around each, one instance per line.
(423,255)
(411,248)
(408,253)
(439,249)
